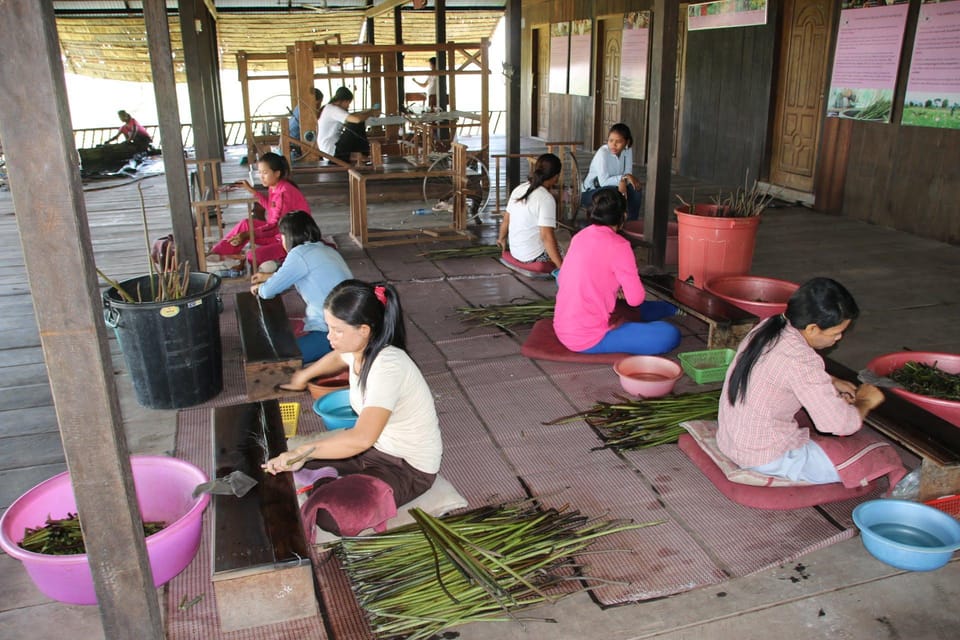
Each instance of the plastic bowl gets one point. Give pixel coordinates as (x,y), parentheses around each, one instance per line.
(763,297)
(319,387)
(884,365)
(907,535)
(648,376)
(164,492)
(335,410)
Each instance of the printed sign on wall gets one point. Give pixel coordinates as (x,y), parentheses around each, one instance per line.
(933,88)
(633,55)
(726,13)
(559,56)
(581,41)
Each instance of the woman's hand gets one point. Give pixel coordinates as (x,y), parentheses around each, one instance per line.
(238,239)
(286,461)
(502,243)
(259,278)
(845,389)
(246,185)
(868,397)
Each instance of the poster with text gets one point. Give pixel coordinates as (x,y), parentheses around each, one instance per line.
(726,13)
(559,56)
(633,55)
(933,87)
(869,41)
(581,41)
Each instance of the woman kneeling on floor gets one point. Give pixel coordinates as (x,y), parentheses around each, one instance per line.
(314,268)
(397,435)
(599,268)
(530,222)
(777,371)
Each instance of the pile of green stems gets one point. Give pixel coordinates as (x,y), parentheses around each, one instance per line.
(628,425)
(63,537)
(509,315)
(927,380)
(475,251)
(486,564)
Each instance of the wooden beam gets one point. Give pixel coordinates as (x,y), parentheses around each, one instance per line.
(383,7)
(57,251)
(212,8)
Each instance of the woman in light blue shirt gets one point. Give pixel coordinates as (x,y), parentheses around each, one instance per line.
(612,166)
(314,268)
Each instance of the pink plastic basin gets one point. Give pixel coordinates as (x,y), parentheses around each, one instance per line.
(164,492)
(884,365)
(633,230)
(763,297)
(648,376)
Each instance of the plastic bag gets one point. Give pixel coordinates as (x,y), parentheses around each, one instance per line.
(909,486)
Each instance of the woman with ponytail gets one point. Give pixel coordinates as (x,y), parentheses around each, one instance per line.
(397,434)
(777,372)
(530,221)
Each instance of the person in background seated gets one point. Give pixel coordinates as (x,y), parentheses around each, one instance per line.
(397,434)
(776,372)
(314,268)
(282,197)
(133,132)
(599,268)
(336,122)
(529,224)
(294,120)
(612,166)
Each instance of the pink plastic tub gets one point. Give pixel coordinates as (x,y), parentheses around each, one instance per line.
(884,365)
(763,297)
(164,492)
(648,376)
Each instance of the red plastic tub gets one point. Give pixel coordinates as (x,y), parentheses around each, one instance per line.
(763,297)
(884,365)
(711,246)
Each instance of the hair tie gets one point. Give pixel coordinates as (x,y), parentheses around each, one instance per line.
(381,294)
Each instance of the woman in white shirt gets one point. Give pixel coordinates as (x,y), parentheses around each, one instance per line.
(397,434)
(612,166)
(530,221)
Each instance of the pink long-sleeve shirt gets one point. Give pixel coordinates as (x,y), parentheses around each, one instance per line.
(788,376)
(598,264)
(282,198)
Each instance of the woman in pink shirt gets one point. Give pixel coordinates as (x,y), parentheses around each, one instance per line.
(282,197)
(777,372)
(598,268)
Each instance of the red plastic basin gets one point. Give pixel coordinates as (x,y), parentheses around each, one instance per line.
(648,376)
(763,297)
(884,365)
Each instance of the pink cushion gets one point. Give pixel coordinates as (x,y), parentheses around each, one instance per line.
(352,504)
(543,344)
(529,269)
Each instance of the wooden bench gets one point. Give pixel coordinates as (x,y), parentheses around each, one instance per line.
(262,572)
(935,440)
(270,351)
(727,323)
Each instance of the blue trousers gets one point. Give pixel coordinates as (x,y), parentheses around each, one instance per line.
(313,346)
(650,337)
(634,201)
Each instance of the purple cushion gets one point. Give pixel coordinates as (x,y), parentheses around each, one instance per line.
(349,505)
(543,344)
(529,269)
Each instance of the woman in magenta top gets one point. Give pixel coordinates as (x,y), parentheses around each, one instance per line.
(598,268)
(282,197)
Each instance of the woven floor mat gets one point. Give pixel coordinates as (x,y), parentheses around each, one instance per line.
(479,347)
(506,288)
(402,262)
(499,372)
(475,266)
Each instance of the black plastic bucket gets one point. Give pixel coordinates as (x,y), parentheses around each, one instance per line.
(171,349)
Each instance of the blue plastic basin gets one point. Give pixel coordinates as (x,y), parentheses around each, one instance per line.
(335,410)
(907,535)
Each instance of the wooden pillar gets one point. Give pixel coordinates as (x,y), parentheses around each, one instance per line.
(168,115)
(245,98)
(663,66)
(398,38)
(512,68)
(203,79)
(443,63)
(52,220)
(485,96)
(303,70)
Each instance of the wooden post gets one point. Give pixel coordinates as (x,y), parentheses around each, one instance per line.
(203,81)
(54,231)
(303,64)
(168,115)
(663,66)
(245,93)
(512,67)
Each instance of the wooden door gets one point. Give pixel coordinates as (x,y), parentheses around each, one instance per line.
(543,71)
(801,89)
(608,78)
(679,86)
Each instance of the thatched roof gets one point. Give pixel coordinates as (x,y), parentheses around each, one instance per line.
(116,47)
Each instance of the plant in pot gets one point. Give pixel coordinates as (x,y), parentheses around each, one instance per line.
(717,239)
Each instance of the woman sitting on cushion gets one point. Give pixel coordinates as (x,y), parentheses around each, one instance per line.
(397,434)
(314,268)
(530,222)
(777,371)
(599,268)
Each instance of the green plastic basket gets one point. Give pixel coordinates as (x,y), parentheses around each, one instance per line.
(706,366)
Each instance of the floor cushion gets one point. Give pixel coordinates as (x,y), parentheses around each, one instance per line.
(349,505)
(543,344)
(537,270)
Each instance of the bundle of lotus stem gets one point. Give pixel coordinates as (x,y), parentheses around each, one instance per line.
(509,315)
(476,251)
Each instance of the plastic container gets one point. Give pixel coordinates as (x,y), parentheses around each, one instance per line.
(335,410)
(907,535)
(319,387)
(422,212)
(948,504)
(171,349)
(709,247)
(706,366)
(164,492)
(647,376)
(633,230)
(886,364)
(763,297)
(290,414)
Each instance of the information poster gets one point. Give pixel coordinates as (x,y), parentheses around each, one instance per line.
(581,41)
(726,13)
(869,41)
(559,56)
(633,55)
(933,88)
